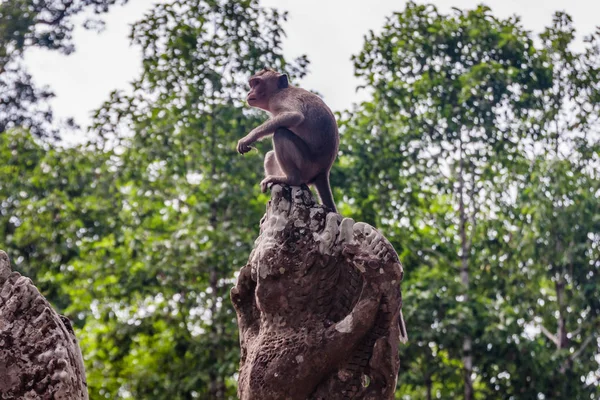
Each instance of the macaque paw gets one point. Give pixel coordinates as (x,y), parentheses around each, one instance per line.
(243,145)
(264,185)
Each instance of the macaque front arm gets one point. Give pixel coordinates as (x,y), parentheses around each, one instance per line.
(288,119)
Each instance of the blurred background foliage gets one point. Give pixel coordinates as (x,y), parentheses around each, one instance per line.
(477,155)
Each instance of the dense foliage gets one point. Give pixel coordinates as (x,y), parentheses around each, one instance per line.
(478,156)
(480,149)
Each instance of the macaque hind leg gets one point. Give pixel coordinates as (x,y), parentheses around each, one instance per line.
(293,158)
(271,165)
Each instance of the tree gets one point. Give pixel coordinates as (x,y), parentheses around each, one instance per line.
(136,236)
(190,205)
(35,23)
(53,200)
(554,220)
(433,157)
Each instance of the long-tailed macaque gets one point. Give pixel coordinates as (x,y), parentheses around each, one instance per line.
(305,134)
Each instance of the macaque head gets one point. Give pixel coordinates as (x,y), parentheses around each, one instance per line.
(263,85)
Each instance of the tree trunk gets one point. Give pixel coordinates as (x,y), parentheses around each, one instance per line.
(464,277)
(563,340)
(39,354)
(217,383)
(428,384)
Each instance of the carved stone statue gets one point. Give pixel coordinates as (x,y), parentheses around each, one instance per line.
(318,306)
(39,355)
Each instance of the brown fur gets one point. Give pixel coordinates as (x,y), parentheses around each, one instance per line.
(305,134)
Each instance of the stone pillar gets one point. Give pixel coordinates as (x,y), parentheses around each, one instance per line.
(39,354)
(318,306)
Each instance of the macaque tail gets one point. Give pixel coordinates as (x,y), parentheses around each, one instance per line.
(321,182)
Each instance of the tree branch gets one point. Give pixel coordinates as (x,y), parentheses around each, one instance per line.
(549,334)
(473,216)
(592,323)
(585,343)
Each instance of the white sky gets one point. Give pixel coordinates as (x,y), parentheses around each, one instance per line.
(328,31)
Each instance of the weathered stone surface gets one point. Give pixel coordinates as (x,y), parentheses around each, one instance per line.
(39,354)
(319,306)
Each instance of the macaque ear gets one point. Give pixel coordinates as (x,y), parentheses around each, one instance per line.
(282,81)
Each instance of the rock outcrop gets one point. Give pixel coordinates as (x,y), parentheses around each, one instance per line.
(318,306)
(39,355)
